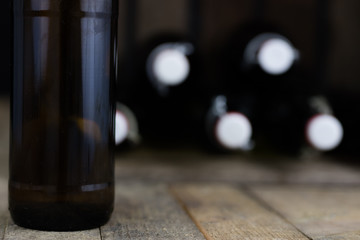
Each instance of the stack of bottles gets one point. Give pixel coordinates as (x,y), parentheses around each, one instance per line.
(262,96)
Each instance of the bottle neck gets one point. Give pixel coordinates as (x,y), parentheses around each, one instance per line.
(272,52)
(324,132)
(233,131)
(168,64)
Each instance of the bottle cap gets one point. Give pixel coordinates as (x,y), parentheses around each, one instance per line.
(324,132)
(121,127)
(276,56)
(170,67)
(233,131)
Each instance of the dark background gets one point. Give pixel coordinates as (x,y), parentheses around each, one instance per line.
(327,33)
(5,49)
(335,46)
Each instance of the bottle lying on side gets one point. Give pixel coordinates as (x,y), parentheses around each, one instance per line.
(228,124)
(167,64)
(299,124)
(258,57)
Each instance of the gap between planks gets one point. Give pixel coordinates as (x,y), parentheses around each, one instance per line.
(225,212)
(320,212)
(148,211)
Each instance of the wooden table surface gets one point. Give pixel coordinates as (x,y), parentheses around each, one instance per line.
(190,194)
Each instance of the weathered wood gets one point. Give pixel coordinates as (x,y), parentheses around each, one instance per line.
(344,236)
(3,207)
(3,194)
(191,164)
(4,213)
(148,211)
(4,137)
(224,212)
(14,232)
(4,216)
(317,211)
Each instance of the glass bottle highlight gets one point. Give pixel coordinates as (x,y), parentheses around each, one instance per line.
(62,113)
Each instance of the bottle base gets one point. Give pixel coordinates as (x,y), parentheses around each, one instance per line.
(73,209)
(59,216)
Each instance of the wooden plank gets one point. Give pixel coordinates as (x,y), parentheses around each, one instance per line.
(4,216)
(344,236)
(224,212)
(4,136)
(190,164)
(318,211)
(3,194)
(14,232)
(148,211)
(4,213)
(195,165)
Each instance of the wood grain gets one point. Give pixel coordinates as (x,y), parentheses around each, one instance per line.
(148,211)
(343,236)
(4,137)
(318,211)
(4,216)
(4,213)
(3,194)
(224,212)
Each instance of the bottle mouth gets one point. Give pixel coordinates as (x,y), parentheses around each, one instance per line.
(169,65)
(233,131)
(276,56)
(324,132)
(121,127)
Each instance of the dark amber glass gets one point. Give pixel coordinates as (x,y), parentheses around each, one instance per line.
(62,114)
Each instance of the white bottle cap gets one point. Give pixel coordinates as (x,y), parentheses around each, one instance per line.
(233,131)
(276,56)
(324,132)
(170,67)
(121,127)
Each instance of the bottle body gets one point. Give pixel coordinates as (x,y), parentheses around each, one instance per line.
(62,114)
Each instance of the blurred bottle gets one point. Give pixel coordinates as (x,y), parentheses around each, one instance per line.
(258,57)
(126,128)
(166,79)
(164,67)
(228,123)
(168,63)
(297,124)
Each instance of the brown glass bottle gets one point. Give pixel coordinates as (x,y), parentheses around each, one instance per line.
(62,114)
